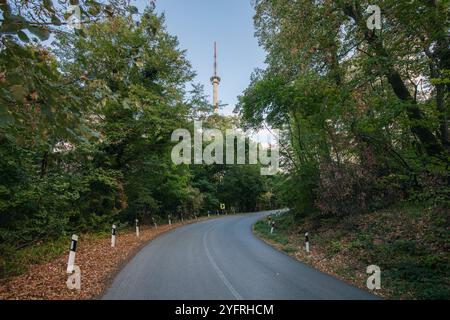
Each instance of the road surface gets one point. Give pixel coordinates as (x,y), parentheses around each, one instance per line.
(222,259)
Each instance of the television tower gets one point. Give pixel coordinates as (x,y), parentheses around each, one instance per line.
(215,80)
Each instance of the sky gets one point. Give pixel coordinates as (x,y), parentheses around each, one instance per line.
(197,24)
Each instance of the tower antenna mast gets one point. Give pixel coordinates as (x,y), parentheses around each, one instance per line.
(215,80)
(215,59)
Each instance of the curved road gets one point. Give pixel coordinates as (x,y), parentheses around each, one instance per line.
(222,259)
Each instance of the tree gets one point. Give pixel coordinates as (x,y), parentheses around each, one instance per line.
(358,107)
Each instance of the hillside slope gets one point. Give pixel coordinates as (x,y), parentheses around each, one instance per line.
(410,245)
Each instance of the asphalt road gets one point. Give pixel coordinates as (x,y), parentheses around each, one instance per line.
(222,259)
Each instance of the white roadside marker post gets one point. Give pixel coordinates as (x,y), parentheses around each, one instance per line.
(154,223)
(307,242)
(272,227)
(74,279)
(113,236)
(72,253)
(137,228)
(170,221)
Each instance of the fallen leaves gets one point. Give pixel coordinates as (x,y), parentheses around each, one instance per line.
(336,265)
(98,261)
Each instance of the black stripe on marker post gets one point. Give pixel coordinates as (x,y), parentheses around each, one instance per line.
(73,245)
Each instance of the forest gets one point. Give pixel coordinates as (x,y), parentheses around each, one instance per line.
(86,124)
(86,117)
(365,119)
(365,112)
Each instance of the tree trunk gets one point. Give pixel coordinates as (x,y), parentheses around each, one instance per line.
(426,137)
(44,164)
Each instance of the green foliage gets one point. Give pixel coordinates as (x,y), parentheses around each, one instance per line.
(263,229)
(41,18)
(241,186)
(14,262)
(360,132)
(86,124)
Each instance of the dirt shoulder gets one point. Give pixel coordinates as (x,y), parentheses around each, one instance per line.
(98,262)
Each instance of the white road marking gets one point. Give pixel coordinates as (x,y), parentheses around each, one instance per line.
(218,271)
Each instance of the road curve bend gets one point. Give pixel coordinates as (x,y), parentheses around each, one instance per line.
(221,259)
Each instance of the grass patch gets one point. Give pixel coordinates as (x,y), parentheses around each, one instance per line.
(289,249)
(14,262)
(279,235)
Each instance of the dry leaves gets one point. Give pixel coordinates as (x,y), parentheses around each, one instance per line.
(318,259)
(98,261)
